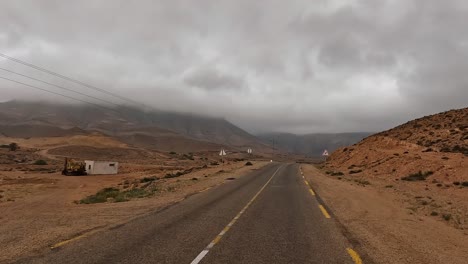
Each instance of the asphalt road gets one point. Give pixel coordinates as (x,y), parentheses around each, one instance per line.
(268,216)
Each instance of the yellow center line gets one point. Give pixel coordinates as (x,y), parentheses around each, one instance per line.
(324,211)
(69,240)
(233,221)
(354,255)
(312,192)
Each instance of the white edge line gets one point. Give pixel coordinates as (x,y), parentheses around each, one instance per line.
(207,249)
(200,257)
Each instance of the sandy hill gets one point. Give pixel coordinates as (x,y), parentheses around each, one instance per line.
(156,129)
(436,145)
(312,144)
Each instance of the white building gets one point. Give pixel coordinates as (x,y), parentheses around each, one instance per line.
(101,167)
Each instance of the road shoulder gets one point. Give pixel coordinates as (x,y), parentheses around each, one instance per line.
(383,228)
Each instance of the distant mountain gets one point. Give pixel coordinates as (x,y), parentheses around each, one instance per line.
(136,126)
(311,144)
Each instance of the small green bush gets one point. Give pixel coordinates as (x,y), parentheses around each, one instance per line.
(13,146)
(339,173)
(447,217)
(419,176)
(149,179)
(101,196)
(40,162)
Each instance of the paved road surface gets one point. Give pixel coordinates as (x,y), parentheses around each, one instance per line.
(268,216)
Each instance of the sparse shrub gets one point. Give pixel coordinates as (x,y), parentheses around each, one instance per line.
(445,149)
(101,196)
(339,173)
(389,186)
(13,146)
(339,178)
(363,182)
(40,162)
(355,171)
(194,179)
(173,153)
(464,184)
(439,185)
(214,163)
(428,150)
(424,203)
(420,176)
(434,213)
(248,163)
(149,179)
(447,217)
(456,183)
(188,156)
(445,158)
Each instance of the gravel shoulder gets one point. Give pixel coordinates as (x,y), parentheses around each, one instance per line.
(385,226)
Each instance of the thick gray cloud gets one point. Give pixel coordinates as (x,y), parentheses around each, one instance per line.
(293,66)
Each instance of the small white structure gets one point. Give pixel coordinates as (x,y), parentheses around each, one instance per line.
(101,167)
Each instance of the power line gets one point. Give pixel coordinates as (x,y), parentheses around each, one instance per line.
(68,78)
(58,86)
(66,96)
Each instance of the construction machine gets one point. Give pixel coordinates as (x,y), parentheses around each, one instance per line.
(74,168)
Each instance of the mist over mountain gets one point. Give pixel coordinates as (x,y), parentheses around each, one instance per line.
(33,119)
(312,144)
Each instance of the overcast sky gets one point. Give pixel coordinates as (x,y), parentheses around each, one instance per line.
(291,66)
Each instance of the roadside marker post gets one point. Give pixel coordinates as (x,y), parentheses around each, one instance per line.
(222,153)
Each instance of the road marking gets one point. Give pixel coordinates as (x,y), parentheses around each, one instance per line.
(324,211)
(312,192)
(69,240)
(354,255)
(206,189)
(306,182)
(233,221)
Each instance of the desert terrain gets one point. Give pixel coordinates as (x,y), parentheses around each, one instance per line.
(40,207)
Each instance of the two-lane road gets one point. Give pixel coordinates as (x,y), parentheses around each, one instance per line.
(268,216)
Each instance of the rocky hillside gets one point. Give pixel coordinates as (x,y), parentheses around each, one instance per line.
(312,144)
(434,147)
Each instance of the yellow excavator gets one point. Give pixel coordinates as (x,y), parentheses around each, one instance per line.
(74,168)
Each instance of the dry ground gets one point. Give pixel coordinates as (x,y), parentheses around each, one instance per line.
(394,224)
(40,209)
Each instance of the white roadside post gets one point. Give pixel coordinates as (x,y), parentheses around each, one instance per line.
(325,154)
(222,153)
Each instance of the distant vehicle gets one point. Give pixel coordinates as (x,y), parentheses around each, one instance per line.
(74,168)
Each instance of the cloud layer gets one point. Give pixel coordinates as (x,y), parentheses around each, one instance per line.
(290,66)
